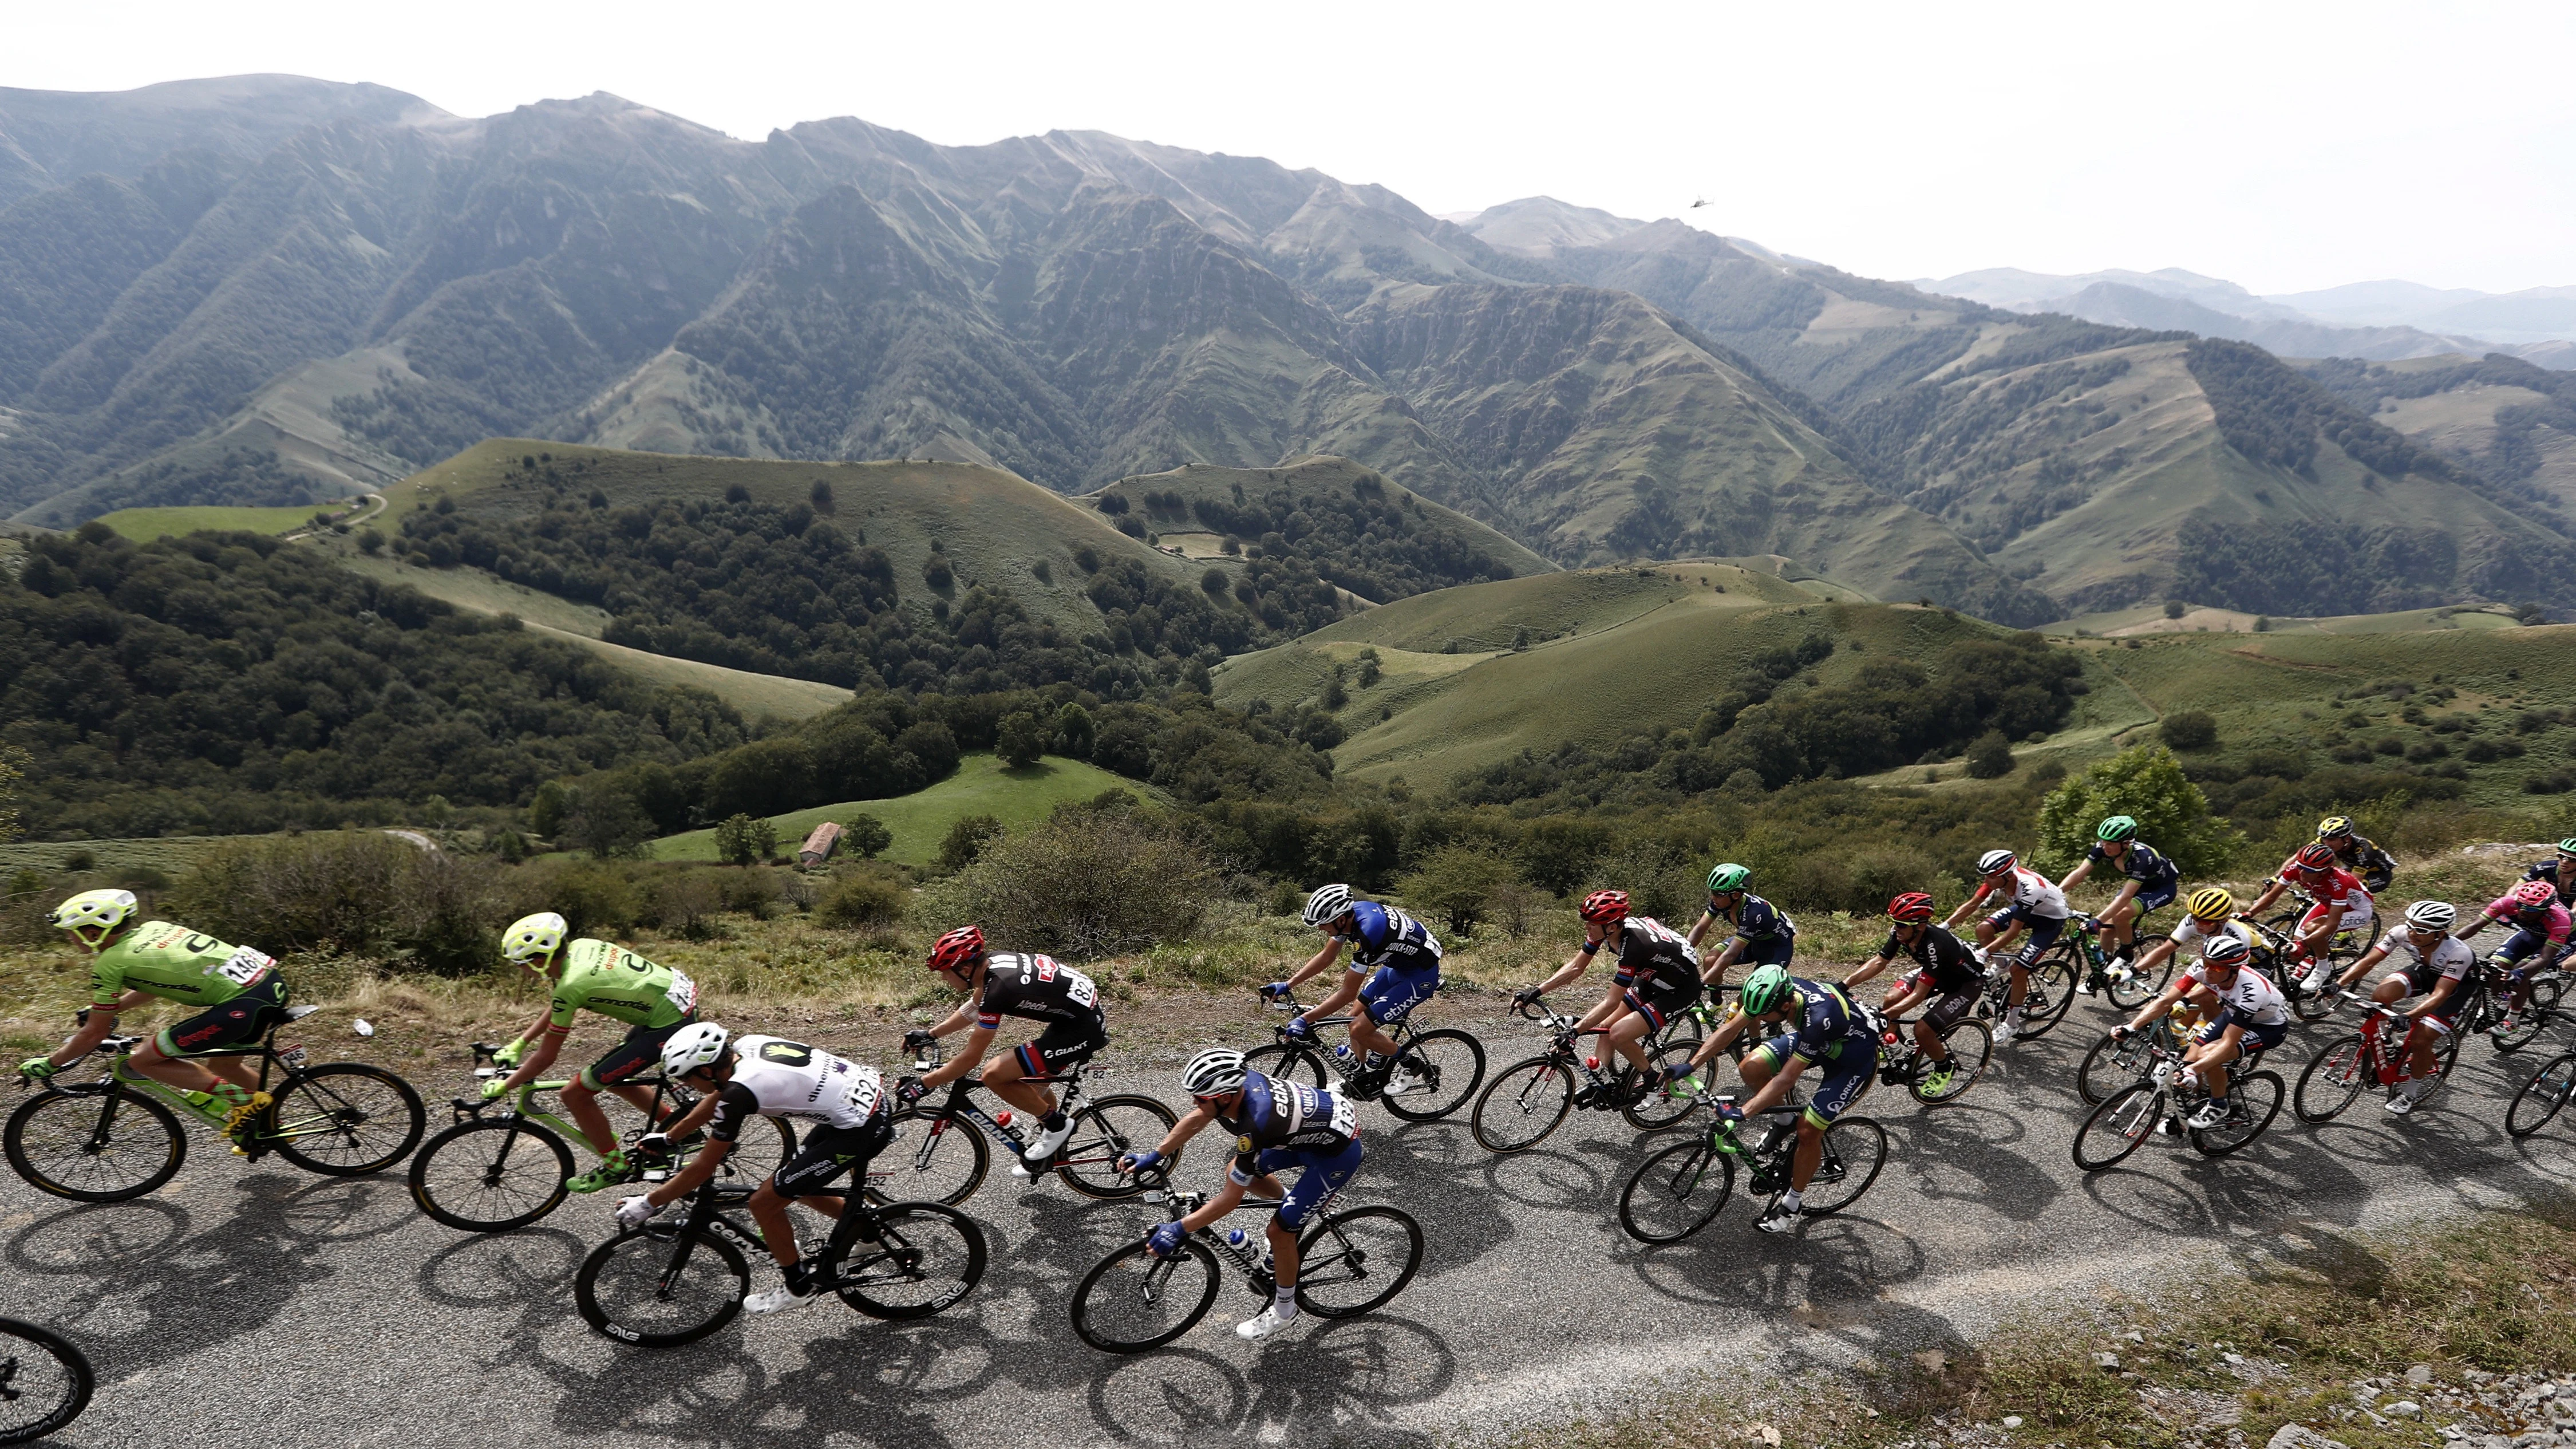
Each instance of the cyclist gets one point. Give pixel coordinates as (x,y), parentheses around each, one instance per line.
(651,1001)
(2355,852)
(1657,978)
(2342,903)
(2559,871)
(2029,900)
(2149,883)
(1763,934)
(1277,1125)
(2540,929)
(238,994)
(1395,966)
(2253,1016)
(1947,974)
(2209,913)
(848,1122)
(1821,1025)
(2435,966)
(1029,986)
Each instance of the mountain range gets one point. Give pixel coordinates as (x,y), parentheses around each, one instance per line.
(266,289)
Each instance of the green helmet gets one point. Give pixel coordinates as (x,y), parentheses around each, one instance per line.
(2567,846)
(2117,828)
(1763,989)
(1728,877)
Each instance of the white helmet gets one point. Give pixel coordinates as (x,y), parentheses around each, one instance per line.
(1996,860)
(1327,903)
(530,937)
(1216,1072)
(2225,951)
(2431,916)
(99,911)
(699,1044)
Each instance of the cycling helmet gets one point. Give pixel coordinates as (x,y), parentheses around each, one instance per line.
(1602,907)
(532,938)
(94,911)
(2116,829)
(2567,846)
(2316,855)
(1996,862)
(2335,827)
(2211,903)
(2430,916)
(955,950)
(1327,904)
(1216,1072)
(1910,909)
(1729,877)
(1764,989)
(2535,895)
(2225,951)
(699,1044)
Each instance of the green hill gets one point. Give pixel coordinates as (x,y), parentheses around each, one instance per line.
(983,785)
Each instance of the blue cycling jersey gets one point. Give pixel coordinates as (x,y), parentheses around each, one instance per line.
(1276,1114)
(1824,1021)
(2139,863)
(1382,935)
(1756,920)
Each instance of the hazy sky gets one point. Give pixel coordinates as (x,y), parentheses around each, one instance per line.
(2282,146)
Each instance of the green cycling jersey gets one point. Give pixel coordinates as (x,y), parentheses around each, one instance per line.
(620,985)
(172,961)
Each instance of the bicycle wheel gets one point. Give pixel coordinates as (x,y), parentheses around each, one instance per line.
(2117,1126)
(83,1144)
(1525,1103)
(1133,1301)
(2532,1020)
(1663,1107)
(2052,990)
(933,1158)
(927,1257)
(2253,1100)
(1676,1192)
(2542,1096)
(344,1120)
(2109,1066)
(1971,1045)
(1855,1151)
(45,1382)
(1286,1062)
(2446,1055)
(2138,987)
(766,1145)
(1355,1260)
(490,1177)
(1104,1130)
(2333,1080)
(1447,1067)
(662,1286)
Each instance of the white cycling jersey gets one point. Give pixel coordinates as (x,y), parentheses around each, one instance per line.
(774,1077)
(2251,996)
(2189,934)
(2034,893)
(2451,958)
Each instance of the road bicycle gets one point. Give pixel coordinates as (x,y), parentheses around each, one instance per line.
(118,1137)
(2170,1093)
(2116,975)
(45,1382)
(503,1163)
(1901,1062)
(1530,1099)
(2376,1054)
(1349,1261)
(2311,990)
(2490,1012)
(2053,973)
(1679,1190)
(2115,1062)
(939,1153)
(1446,1066)
(683,1275)
(2541,1098)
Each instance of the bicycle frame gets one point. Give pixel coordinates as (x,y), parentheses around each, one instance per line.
(522,1107)
(960,1105)
(1563,1036)
(117,1081)
(1343,1069)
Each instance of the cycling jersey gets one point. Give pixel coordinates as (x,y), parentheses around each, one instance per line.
(2375,867)
(177,964)
(622,986)
(2548,870)
(1382,935)
(2140,863)
(2252,997)
(1652,956)
(1756,922)
(2451,958)
(1944,957)
(1824,1023)
(2551,924)
(1035,988)
(2190,933)
(2341,888)
(774,1077)
(2033,894)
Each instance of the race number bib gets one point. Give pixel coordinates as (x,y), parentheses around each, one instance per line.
(683,993)
(243,967)
(865,1089)
(1079,990)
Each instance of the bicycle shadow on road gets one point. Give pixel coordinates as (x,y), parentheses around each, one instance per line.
(1338,1381)
(1965,1154)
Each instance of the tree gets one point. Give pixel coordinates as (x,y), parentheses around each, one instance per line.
(745,840)
(370,542)
(605,820)
(866,834)
(2147,783)
(966,840)
(1991,757)
(13,768)
(2189,729)
(1020,740)
(1370,666)
(2174,608)
(546,811)
(1458,884)
(1334,695)
(1215,582)
(1074,731)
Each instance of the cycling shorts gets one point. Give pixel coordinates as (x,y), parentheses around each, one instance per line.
(2256,1037)
(2156,897)
(1323,1175)
(2043,929)
(2525,943)
(1662,1000)
(237,1022)
(1840,1077)
(2357,916)
(1949,1008)
(1063,1046)
(1390,995)
(2420,981)
(641,1049)
(829,1151)
(1770,951)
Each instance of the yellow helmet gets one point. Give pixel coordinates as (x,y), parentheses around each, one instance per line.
(532,937)
(99,912)
(2211,903)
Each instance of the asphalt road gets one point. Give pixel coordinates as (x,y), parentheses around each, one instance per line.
(262,1306)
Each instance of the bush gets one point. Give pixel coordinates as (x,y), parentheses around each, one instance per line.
(2147,782)
(2189,729)
(1662,879)
(966,840)
(745,840)
(1991,757)
(1082,885)
(684,902)
(866,835)
(1457,884)
(1020,740)
(863,900)
(592,897)
(350,893)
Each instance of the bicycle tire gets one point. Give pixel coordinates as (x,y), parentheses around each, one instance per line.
(1658,1110)
(1848,1141)
(1531,1098)
(1695,1175)
(934,1157)
(339,1114)
(1435,1056)
(2052,980)
(51,1411)
(633,1264)
(1323,1266)
(1105,1129)
(2537,1013)
(445,1171)
(2345,1064)
(65,1119)
(2216,1141)
(752,1158)
(1134,1275)
(2109,1066)
(914,1234)
(2140,987)
(2541,1098)
(2124,1123)
(2316,1001)
(1964,1073)
(1289,1062)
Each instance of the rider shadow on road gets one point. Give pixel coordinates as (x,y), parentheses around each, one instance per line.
(1338,1381)
(1966,1153)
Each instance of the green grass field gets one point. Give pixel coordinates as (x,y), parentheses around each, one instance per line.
(146,524)
(168,854)
(920,821)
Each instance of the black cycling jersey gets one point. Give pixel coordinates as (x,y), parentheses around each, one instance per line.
(1035,988)
(1942,954)
(2374,866)
(1652,954)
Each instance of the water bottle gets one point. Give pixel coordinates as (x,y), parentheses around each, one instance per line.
(1003,1117)
(1342,1054)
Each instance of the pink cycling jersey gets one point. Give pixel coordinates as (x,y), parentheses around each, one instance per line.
(2511,912)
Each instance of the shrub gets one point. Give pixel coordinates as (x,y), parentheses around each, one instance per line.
(1662,879)
(866,835)
(966,840)
(2189,729)
(1991,757)
(1457,884)
(1021,740)
(1083,885)
(745,840)
(684,902)
(2174,608)
(345,892)
(592,897)
(2146,782)
(869,899)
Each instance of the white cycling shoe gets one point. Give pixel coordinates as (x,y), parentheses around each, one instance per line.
(1401,1081)
(1265,1324)
(778,1299)
(2211,1113)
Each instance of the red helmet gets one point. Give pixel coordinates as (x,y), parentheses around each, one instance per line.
(1911,909)
(957,948)
(2535,895)
(2316,855)
(1602,907)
